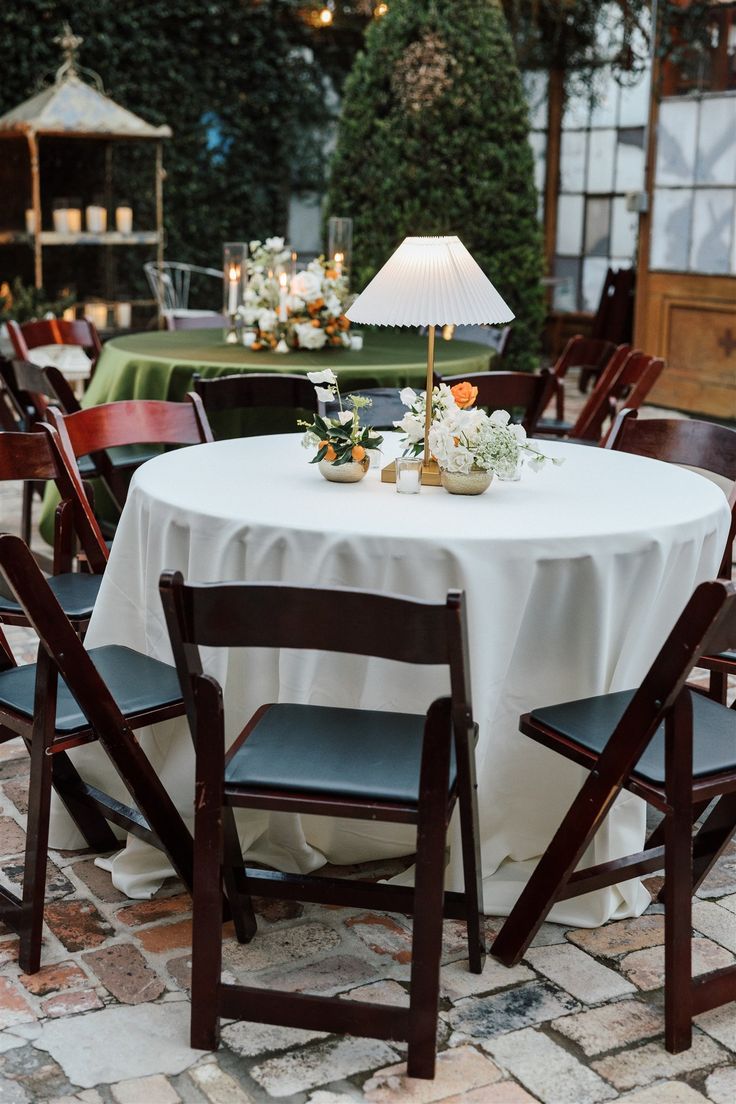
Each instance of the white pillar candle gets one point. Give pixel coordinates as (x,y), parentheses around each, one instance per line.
(356,342)
(30,221)
(339,260)
(97,314)
(124,220)
(122,315)
(61,220)
(283,292)
(74,220)
(96,218)
(233,276)
(408,482)
(69,314)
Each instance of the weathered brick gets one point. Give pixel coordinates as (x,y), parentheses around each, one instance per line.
(98,881)
(57,884)
(14,1009)
(611,1026)
(66,1004)
(531,1003)
(503,1092)
(382,934)
(722,878)
(218,1087)
(301,1070)
(147,912)
(280,946)
(145,1090)
(715,922)
(721,1024)
(458,1071)
(16,790)
(180,969)
(166,937)
(327,975)
(646,968)
(380,992)
(251,1039)
(77,924)
(12,837)
(639,1066)
(456,980)
(274,910)
(621,937)
(52,978)
(124,972)
(547,1070)
(578,973)
(9,949)
(666,1092)
(721,1085)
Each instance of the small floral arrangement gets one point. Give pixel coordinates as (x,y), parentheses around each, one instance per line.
(463,439)
(306,310)
(342,439)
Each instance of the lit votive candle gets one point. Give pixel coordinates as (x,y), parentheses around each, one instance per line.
(74,220)
(61,220)
(123,312)
(248,338)
(408,475)
(233,279)
(96,218)
(97,314)
(356,342)
(124,219)
(30,221)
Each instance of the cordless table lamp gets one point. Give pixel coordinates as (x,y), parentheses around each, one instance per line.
(429,282)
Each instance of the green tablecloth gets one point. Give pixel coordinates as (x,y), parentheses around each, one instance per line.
(160,365)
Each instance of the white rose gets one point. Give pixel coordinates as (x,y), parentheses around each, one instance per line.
(267,320)
(500,418)
(250,315)
(325,376)
(345,416)
(274,245)
(324,394)
(411,427)
(254,245)
(408,396)
(307,286)
(310,337)
(334,306)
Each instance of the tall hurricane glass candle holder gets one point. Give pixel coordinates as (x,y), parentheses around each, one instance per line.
(234,271)
(340,244)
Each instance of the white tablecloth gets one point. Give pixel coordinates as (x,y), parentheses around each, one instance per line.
(573,578)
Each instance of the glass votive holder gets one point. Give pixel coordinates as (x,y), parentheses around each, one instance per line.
(356,342)
(511,475)
(408,475)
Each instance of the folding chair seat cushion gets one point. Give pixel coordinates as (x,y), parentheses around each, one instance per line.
(322,750)
(591,721)
(121,457)
(137,683)
(75,592)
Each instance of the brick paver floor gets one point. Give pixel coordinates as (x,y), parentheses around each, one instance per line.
(106,1019)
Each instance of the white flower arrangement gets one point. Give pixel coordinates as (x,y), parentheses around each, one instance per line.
(314,306)
(341,439)
(463,438)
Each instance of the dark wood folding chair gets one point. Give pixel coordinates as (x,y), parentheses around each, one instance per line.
(626,381)
(589,355)
(273,390)
(39,457)
(329,762)
(676,749)
(55,331)
(71,697)
(97,430)
(523,394)
(695,444)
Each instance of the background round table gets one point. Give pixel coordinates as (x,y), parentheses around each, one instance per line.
(573,578)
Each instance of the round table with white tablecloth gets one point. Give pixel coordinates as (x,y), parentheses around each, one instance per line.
(573,577)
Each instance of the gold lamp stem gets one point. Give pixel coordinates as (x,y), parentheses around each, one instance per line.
(430,387)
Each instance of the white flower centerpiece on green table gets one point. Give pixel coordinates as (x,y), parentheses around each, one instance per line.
(305,310)
(342,443)
(469,445)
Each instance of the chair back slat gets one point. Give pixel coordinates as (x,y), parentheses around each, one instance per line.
(620,375)
(27,456)
(132,422)
(584,352)
(54,331)
(259,389)
(511,391)
(36,384)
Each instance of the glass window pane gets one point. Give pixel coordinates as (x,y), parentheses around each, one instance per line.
(565,294)
(570,224)
(577,106)
(535,90)
(594,277)
(671,229)
(601,156)
(676,142)
(597,227)
(538,142)
(712,230)
(624,229)
(605,106)
(716,144)
(572,161)
(633,108)
(630,160)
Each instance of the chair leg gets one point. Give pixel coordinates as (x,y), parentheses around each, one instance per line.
(236,883)
(37,844)
(678,932)
(472,863)
(27,512)
(718,686)
(88,819)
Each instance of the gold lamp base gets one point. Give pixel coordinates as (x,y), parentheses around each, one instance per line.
(430,474)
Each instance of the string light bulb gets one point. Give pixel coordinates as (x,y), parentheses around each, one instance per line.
(326,15)
(379,10)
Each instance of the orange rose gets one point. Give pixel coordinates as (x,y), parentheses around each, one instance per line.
(330,454)
(315,306)
(343,322)
(464,394)
(358,453)
(316,323)
(257,346)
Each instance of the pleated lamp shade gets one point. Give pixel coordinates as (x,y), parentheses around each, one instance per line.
(430,282)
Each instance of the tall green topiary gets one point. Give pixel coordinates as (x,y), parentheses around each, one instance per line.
(433,140)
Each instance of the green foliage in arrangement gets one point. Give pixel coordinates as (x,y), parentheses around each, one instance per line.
(26,304)
(433,139)
(236,82)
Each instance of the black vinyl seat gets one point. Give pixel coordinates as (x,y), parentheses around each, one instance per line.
(366,755)
(137,683)
(386,407)
(121,457)
(76,593)
(591,722)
